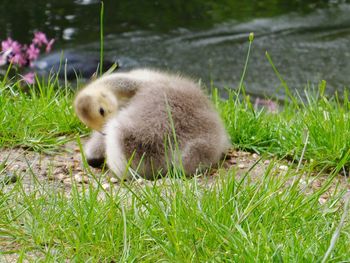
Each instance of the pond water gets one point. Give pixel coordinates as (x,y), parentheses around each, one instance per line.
(308,40)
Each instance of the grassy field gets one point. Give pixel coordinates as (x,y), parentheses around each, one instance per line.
(233,219)
(180,221)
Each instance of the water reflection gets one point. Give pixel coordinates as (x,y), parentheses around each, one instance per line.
(86,2)
(22,17)
(68,33)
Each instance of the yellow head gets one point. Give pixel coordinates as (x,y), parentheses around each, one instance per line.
(95,106)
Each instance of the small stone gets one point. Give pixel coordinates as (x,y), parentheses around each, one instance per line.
(78,169)
(140,181)
(15,167)
(266,162)
(61,169)
(316,184)
(67,181)
(76,163)
(114,180)
(322,200)
(255,156)
(235,154)
(80,178)
(283,167)
(241,166)
(106,186)
(60,177)
(59,162)
(232,161)
(302,182)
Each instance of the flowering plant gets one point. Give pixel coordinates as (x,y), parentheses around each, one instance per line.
(12,52)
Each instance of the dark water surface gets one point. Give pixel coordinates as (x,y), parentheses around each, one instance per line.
(308,40)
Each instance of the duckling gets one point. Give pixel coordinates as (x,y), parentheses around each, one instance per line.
(152,120)
(99,100)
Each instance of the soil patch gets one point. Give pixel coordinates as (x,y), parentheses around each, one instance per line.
(65,167)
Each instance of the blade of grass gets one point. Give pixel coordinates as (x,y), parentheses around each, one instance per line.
(101,37)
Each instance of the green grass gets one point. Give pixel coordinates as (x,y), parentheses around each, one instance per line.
(175,221)
(231,220)
(39,118)
(319,121)
(182,220)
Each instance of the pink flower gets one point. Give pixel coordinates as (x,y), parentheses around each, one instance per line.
(24,55)
(269,104)
(18,59)
(32,52)
(49,45)
(40,38)
(29,78)
(9,44)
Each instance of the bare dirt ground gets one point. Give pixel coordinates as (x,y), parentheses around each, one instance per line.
(65,167)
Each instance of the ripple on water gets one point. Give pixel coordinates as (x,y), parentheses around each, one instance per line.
(305,48)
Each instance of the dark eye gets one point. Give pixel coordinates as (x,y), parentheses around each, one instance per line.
(102,111)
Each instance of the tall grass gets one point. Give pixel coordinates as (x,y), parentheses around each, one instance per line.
(323,119)
(314,125)
(174,220)
(101,38)
(39,118)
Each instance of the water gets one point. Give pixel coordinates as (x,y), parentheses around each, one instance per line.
(308,40)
